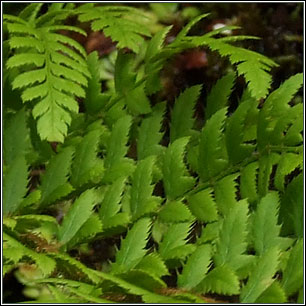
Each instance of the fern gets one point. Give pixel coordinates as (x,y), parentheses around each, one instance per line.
(232,238)
(55,183)
(59,76)
(174,212)
(211,159)
(174,244)
(86,166)
(203,206)
(176,179)
(149,133)
(196,268)
(220,280)
(117,22)
(142,201)
(265,228)
(219,94)
(44,263)
(78,214)
(261,277)
(132,247)
(15,185)
(293,274)
(182,113)
(153,264)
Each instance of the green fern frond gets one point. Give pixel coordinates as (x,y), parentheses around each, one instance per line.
(248,186)
(95,100)
(71,266)
(87,231)
(203,206)
(219,94)
(129,91)
(54,183)
(211,158)
(86,165)
(132,248)
(221,280)
(252,65)
(15,185)
(276,106)
(118,22)
(142,201)
(77,215)
(225,193)
(153,264)
(16,137)
(261,277)
(175,176)
(292,208)
(196,268)
(287,163)
(182,114)
(149,133)
(265,228)
(292,279)
(232,237)
(174,212)
(115,163)
(110,205)
(52,84)
(234,135)
(44,263)
(174,241)
(272,295)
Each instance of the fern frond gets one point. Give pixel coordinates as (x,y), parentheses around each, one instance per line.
(16,137)
(221,280)
(252,65)
(142,201)
(292,208)
(248,187)
(115,163)
(182,114)
(132,248)
(153,264)
(128,90)
(210,233)
(203,206)
(276,106)
(219,94)
(292,279)
(54,183)
(232,237)
(149,133)
(175,211)
(235,131)
(87,231)
(44,263)
(77,215)
(95,100)
(175,176)
(110,205)
(287,163)
(272,295)
(15,185)
(72,266)
(116,22)
(53,85)
(173,244)
(225,193)
(211,158)
(261,277)
(265,228)
(196,268)
(86,165)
